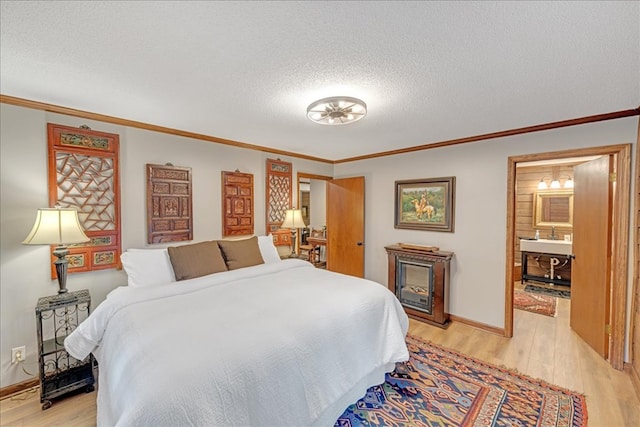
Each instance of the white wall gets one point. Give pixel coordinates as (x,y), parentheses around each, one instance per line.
(479,240)
(25,270)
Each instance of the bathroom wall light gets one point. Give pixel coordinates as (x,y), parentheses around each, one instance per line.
(568,183)
(337,110)
(542,185)
(555,183)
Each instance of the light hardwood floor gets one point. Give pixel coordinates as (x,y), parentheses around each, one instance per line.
(543,347)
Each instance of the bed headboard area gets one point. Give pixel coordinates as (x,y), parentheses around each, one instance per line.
(150,267)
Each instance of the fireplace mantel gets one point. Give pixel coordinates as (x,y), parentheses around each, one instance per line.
(427,299)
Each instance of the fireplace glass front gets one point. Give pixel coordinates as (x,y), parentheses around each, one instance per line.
(414,284)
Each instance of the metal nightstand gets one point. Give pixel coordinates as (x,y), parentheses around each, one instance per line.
(56,317)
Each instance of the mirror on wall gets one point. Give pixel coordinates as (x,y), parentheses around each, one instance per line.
(312,202)
(304,200)
(553,208)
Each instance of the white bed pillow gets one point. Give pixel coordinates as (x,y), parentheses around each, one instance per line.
(147,267)
(268,249)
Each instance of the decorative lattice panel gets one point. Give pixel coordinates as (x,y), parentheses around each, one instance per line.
(83,174)
(279,178)
(237,203)
(169,205)
(86,182)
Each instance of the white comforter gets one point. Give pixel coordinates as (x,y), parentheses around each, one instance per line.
(281,344)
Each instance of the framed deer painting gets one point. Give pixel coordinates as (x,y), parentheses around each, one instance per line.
(425,204)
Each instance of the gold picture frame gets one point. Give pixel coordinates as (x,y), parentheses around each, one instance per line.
(553,208)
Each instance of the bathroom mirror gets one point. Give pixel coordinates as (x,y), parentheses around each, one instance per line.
(553,208)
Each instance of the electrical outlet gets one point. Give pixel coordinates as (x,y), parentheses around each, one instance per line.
(18,354)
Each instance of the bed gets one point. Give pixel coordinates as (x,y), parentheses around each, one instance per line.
(275,343)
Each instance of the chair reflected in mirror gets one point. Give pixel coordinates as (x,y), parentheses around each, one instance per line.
(310,249)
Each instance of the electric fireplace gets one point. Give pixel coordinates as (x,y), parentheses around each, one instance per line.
(414,283)
(420,281)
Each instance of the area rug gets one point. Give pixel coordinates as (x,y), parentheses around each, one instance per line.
(548,291)
(535,303)
(440,387)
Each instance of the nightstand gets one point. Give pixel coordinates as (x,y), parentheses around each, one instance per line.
(56,317)
(282,238)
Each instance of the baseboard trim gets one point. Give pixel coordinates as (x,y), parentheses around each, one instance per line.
(10,390)
(635,377)
(483,326)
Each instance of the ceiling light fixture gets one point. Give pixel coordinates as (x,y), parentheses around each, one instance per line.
(337,110)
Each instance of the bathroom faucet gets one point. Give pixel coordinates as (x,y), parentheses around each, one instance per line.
(553,233)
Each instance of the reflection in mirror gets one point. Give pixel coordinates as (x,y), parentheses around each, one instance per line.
(318,212)
(304,199)
(311,200)
(553,209)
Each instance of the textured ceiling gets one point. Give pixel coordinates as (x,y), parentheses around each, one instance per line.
(246,71)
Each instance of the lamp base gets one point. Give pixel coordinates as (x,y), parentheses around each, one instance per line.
(61,268)
(293,253)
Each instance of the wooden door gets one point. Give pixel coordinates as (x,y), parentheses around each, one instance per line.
(345,226)
(591,268)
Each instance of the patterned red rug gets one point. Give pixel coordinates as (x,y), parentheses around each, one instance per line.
(440,387)
(535,303)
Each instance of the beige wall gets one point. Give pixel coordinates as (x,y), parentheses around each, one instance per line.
(479,241)
(477,281)
(25,270)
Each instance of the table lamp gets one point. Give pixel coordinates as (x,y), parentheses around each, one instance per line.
(293,220)
(57,226)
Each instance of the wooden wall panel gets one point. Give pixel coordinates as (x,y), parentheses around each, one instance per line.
(237,204)
(169,204)
(84,174)
(279,188)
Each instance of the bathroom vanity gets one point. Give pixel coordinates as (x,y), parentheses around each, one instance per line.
(557,253)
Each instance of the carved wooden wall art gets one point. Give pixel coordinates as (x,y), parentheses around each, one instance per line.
(169,205)
(237,203)
(84,174)
(279,186)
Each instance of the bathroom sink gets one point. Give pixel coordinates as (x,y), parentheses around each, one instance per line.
(560,247)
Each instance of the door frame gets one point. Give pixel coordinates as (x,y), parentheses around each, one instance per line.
(619,237)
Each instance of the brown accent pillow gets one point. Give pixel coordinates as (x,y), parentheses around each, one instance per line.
(196,260)
(241,253)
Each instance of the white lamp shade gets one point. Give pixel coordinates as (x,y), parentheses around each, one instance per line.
(293,219)
(56,226)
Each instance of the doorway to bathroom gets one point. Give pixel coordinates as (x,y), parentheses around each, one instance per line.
(610,309)
(543,243)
